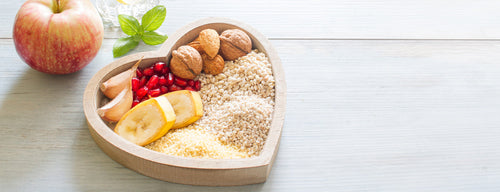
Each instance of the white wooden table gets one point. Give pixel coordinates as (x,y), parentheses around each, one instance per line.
(382,96)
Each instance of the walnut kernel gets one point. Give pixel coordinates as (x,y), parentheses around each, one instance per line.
(212,66)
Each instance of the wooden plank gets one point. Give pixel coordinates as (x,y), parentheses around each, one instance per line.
(324,19)
(361,116)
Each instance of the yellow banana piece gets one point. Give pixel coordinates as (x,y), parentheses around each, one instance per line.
(147,121)
(187,106)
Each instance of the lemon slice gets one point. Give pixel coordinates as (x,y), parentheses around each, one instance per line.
(147,121)
(187,106)
(128,2)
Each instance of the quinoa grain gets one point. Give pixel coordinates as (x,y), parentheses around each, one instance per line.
(237,107)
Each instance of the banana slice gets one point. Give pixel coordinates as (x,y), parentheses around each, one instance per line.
(187,106)
(147,121)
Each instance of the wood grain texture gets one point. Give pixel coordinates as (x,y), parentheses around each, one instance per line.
(361,116)
(326,19)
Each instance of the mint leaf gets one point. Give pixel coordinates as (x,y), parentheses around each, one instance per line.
(129,24)
(124,45)
(153,38)
(153,19)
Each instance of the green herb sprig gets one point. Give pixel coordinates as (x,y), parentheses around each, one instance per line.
(136,32)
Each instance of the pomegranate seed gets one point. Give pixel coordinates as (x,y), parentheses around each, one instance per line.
(153,82)
(144,99)
(197,85)
(190,83)
(135,102)
(162,80)
(142,92)
(170,79)
(138,73)
(179,81)
(148,71)
(165,70)
(163,89)
(143,81)
(154,92)
(135,83)
(174,88)
(189,88)
(158,66)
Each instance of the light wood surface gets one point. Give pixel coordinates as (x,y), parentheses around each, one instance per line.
(362,114)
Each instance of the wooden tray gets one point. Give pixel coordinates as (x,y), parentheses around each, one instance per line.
(208,172)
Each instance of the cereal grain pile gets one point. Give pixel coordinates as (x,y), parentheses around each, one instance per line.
(237,107)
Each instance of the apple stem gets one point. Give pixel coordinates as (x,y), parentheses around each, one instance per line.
(56,7)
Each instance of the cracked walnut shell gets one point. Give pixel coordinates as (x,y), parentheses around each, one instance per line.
(212,66)
(186,62)
(234,43)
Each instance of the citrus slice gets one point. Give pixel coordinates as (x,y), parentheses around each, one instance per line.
(187,106)
(127,2)
(147,121)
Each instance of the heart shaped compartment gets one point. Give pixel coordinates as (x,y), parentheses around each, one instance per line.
(208,172)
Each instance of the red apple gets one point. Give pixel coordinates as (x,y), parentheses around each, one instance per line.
(57,36)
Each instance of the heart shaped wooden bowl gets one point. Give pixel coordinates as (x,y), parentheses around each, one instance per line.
(208,172)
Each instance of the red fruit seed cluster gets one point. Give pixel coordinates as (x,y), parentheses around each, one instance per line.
(157,80)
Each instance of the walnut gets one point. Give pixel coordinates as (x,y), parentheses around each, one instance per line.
(209,41)
(186,62)
(234,43)
(212,66)
(196,45)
